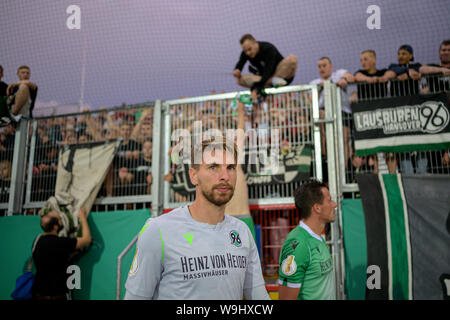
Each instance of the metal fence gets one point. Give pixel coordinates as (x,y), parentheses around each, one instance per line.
(422,162)
(144,173)
(128,184)
(137,172)
(288,111)
(7,138)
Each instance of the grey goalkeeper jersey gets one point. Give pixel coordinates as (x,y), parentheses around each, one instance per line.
(180,258)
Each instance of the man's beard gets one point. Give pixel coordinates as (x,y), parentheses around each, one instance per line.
(218,201)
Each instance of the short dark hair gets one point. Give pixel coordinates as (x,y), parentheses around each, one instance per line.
(245,37)
(48,227)
(308,194)
(325,58)
(224,144)
(444,43)
(371,52)
(23,67)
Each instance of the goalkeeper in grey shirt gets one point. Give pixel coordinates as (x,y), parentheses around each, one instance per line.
(198,252)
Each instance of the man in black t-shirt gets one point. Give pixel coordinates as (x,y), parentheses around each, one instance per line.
(267,65)
(436,83)
(124,162)
(405,72)
(372,82)
(51,256)
(437,80)
(129,149)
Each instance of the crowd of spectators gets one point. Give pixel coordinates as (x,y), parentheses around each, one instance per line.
(406,77)
(291,113)
(130,172)
(403,78)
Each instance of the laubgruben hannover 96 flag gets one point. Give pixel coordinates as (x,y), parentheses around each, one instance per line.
(402,124)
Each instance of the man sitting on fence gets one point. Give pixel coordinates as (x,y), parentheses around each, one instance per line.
(22,94)
(268,66)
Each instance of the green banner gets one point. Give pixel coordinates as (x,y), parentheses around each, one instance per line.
(355,244)
(111,233)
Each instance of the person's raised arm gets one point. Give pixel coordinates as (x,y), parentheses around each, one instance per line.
(111,125)
(86,237)
(240,138)
(138,126)
(92,129)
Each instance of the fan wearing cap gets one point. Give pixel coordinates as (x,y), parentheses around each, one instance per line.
(409,75)
(404,69)
(406,72)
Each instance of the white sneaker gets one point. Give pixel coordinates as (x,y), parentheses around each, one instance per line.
(278,82)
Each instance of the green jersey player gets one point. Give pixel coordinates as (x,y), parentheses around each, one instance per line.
(306,269)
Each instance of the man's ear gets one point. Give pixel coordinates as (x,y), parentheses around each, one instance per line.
(317,207)
(193,176)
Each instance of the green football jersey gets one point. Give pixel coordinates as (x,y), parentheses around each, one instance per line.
(305,263)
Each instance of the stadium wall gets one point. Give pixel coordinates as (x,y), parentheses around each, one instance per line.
(111,232)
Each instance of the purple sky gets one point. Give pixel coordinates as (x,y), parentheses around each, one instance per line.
(143,50)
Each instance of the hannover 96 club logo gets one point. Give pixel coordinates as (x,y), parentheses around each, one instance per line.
(234,236)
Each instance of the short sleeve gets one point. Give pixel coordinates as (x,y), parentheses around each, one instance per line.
(382,72)
(253,275)
(416,66)
(294,261)
(315,81)
(397,68)
(147,266)
(339,74)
